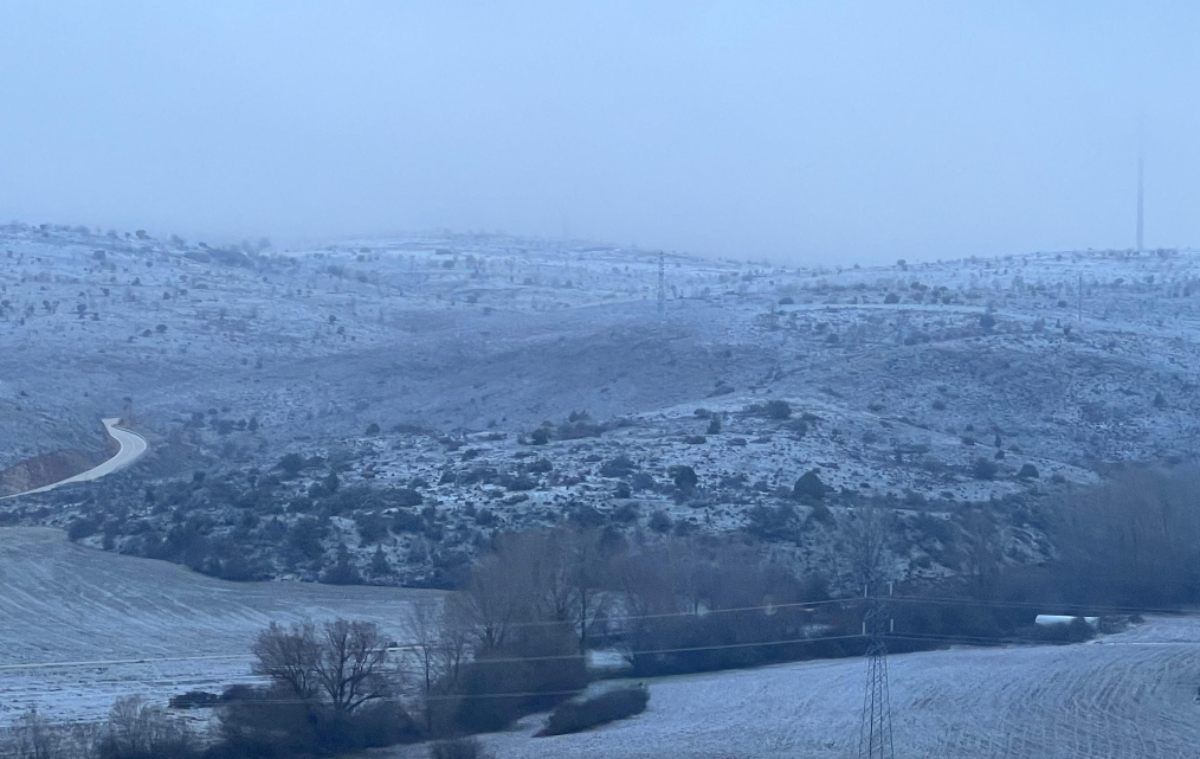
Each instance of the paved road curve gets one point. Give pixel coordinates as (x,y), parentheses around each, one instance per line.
(132,446)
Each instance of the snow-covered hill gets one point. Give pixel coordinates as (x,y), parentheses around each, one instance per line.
(499,378)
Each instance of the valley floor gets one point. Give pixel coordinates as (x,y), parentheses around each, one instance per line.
(80,628)
(1127,695)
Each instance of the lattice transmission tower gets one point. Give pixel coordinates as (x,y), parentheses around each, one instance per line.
(875,730)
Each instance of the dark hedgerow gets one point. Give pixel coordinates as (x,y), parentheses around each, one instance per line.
(574,716)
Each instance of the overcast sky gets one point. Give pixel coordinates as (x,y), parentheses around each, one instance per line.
(804,132)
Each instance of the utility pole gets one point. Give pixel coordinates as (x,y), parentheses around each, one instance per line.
(662,286)
(1079,295)
(1141,167)
(875,729)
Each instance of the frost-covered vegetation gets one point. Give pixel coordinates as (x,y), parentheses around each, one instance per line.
(376,410)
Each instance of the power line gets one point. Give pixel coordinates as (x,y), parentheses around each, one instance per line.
(915,636)
(1080,608)
(532,694)
(420,646)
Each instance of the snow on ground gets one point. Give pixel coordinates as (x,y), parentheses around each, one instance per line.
(146,627)
(1127,695)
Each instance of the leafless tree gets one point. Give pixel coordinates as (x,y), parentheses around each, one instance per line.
(136,728)
(352,668)
(535,577)
(33,737)
(1137,535)
(866,536)
(289,657)
(422,623)
(344,662)
(496,597)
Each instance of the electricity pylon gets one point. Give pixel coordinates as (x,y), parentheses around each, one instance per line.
(875,730)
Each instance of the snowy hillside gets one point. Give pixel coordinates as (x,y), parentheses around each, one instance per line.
(483,382)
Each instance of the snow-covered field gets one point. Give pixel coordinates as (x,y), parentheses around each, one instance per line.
(80,628)
(1124,696)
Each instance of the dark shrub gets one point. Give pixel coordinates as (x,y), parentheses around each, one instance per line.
(777,409)
(457,748)
(642,481)
(621,466)
(540,466)
(684,477)
(778,523)
(659,521)
(574,716)
(1028,472)
(809,487)
(271,727)
(82,528)
(194,699)
(404,497)
(291,464)
(535,684)
(984,469)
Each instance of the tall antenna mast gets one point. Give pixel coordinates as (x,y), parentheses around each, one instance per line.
(1141,166)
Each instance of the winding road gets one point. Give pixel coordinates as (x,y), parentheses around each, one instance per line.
(131,447)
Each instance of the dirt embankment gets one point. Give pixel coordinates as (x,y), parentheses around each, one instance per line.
(53,466)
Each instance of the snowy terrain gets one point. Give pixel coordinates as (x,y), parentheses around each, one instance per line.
(429,362)
(82,628)
(1132,694)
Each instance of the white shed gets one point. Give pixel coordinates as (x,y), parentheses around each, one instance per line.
(1050,620)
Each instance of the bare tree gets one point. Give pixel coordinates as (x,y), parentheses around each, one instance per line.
(345,662)
(536,577)
(867,539)
(422,623)
(496,598)
(33,737)
(456,638)
(138,729)
(1133,538)
(352,668)
(289,657)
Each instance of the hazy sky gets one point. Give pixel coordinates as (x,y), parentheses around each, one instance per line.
(831,131)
